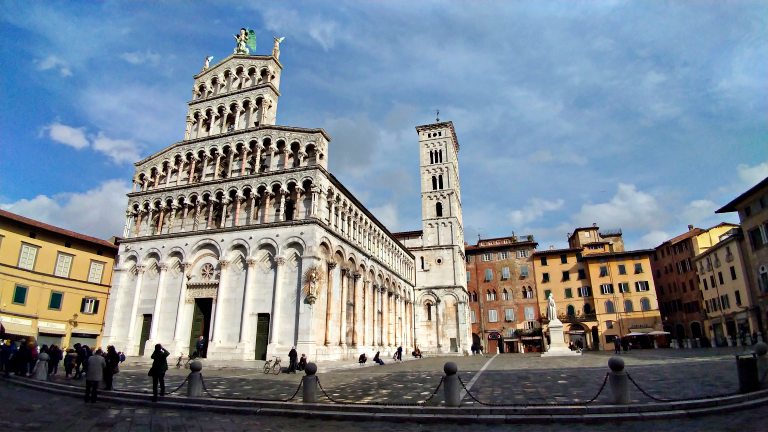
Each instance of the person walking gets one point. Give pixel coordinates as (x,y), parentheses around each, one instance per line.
(53,364)
(40,370)
(112,360)
(93,376)
(158,369)
(399,353)
(200,347)
(293,357)
(79,360)
(6,351)
(617,345)
(303,362)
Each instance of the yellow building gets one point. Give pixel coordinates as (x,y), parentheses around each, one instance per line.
(602,291)
(54,283)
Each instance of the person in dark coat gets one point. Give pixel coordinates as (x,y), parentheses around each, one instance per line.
(69,362)
(293,357)
(617,345)
(6,352)
(158,369)
(378,360)
(79,360)
(200,347)
(112,360)
(303,362)
(21,359)
(53,364)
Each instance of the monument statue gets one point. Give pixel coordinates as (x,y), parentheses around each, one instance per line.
(276,48)
(551,308)
(313,277)
(207,63)
(246,41)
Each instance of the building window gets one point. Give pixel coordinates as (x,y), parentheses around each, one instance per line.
(582,274)
(623,287)
(492,315)
(439,209)
(503,255)
(505,295)
(622,269)
(523,271)
(584,291)
(609,325)
(486,257)
(529,313)
(638,268)
(89,305)
(547,293)
(737,294)
(522,253)
(579,257)
(509,315)
(505,273)
(642,286)
(720,277)
(55,300)
(95,272)
(543,261)
(606,288)
(568,293)
(27,256)
(570,310)
(63,265)
(490,295)
(429,311)
(587,309)
(628,306)
(603,271)
(20,295)
(488,275)
(609,307)
(545,277)
(645,304)
(733,273)
(528,293)
(468,273)
(473,316)
(564,259)
(566,275)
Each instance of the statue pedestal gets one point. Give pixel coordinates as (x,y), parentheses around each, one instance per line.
(557,347)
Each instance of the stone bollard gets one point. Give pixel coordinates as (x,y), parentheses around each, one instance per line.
(761,348)
(195,379)
(451,385)
(618,381)
(309,383)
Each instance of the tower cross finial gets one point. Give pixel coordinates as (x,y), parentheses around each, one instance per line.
(437,116)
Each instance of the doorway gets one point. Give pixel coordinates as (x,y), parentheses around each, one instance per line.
(146,326)
(262,336)
(201,322)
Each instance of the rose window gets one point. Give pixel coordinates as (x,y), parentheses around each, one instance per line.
(207,271)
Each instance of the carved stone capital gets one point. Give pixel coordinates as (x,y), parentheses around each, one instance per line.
(331,265)
(223,264)
(279,261)
(251,262)
(162,266)
(140,269)
(356,275)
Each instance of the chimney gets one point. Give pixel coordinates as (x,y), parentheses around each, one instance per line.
(690,227)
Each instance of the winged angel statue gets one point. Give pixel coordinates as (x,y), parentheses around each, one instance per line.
(246,41)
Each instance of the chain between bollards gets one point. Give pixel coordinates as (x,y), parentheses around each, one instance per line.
(180,386)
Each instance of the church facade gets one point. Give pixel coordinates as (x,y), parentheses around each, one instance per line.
(239,234)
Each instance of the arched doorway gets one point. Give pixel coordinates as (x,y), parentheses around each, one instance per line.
(696,333)
(595,339)
(577,334)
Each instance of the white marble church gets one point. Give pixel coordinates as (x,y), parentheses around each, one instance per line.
(239,233)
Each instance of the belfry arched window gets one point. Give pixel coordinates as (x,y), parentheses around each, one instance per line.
(431,156)
(422,263)
(439,209)
(434,183)
(440,181)
(429,311)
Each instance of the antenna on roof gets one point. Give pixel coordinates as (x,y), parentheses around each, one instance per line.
(437,116)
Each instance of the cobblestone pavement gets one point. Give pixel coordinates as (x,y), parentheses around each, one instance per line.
(508,378)
(505,378)
(26,409)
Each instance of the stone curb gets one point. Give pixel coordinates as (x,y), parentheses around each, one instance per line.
(427,414)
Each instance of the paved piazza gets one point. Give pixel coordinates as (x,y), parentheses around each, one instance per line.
(510,378)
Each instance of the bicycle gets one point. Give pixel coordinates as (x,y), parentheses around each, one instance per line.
(273,366)
(181,362)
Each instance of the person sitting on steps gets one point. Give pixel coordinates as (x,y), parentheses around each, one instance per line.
(362,359)
(377,360)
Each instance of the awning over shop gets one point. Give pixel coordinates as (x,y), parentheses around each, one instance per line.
(17,326)
(51,328)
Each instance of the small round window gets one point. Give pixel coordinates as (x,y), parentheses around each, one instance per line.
(439,260)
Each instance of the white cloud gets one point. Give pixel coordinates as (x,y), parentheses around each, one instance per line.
(120,151)
(53,62)
(698,211)
(387,215)
(323,31)
(651,240)
(138,57)
(752,175)
(628,209)
(73,137)
(535,208)
(98,212)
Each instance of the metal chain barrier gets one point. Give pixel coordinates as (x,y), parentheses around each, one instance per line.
(602,387)
(205,389)
(180,386)
(648,395)
(421,403)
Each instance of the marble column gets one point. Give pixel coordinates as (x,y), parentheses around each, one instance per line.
(216,167)
(366,310)
(438,330)
(178,336)
(355,308)
(220,316)
(329,302)
(238,199)
(158,301)
(191,170)
(134,310)
(246,323)
(276,303)
(376,316)
(345,275)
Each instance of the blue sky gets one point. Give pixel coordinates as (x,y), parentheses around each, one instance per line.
(645,116)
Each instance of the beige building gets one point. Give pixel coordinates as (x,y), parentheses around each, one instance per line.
(54,283)
(728,303)
(602,291)
(752,207)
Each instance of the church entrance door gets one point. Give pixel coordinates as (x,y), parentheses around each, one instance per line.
(146,326)
(262,336)
(201,322)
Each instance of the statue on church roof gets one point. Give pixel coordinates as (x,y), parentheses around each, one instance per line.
(246,41)
(276,48)
(207,63)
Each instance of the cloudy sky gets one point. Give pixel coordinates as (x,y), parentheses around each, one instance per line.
(645,116)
